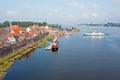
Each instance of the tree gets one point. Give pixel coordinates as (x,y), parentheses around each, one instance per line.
(40,24)
(44,23)
(0,25)
(6,24)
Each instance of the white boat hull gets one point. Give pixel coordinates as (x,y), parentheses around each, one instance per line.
(94,34)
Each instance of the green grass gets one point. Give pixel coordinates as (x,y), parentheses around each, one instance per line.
(43,42)
(50,37)
(5,65)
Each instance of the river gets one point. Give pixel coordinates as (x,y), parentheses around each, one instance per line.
(78,58)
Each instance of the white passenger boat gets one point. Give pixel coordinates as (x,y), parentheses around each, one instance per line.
(94,34)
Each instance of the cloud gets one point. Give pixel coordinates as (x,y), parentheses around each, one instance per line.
(55,11)
(89,15)
(85,15)
(83,5)
(13,13)
(117,1)
(26,6)
(70,11)
(94,14)
(94,6)
(76,4)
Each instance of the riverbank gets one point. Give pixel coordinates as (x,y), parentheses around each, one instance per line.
(7,60)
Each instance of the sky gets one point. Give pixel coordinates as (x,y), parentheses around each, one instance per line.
(60,11)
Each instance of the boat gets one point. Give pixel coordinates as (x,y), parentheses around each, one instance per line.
(94,34)
(50,45)
(55,46)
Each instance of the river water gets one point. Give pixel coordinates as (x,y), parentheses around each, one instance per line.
(78,58)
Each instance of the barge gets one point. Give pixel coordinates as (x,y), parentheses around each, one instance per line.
(53,45)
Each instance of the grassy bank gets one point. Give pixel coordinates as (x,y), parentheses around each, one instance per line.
(43,42)
(7,60)
(2,75)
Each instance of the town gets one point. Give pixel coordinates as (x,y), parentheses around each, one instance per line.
(19,36)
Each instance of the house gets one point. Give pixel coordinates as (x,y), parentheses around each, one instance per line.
(3,33)
(17,32)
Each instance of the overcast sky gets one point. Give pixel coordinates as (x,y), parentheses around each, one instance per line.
(60,11)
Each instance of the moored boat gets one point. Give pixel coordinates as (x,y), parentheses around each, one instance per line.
(55,46)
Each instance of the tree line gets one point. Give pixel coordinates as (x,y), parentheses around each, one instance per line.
(22,24)
(110,24)
(55,26)
(27,24)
